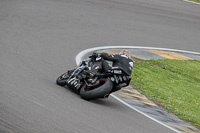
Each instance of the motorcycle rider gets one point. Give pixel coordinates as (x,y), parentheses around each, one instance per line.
(121,60)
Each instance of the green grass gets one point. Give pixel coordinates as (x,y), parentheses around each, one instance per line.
(195,0)
(172,84)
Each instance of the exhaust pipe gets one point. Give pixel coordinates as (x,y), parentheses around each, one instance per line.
(106,95)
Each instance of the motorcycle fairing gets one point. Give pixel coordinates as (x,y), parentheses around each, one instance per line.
(74,83)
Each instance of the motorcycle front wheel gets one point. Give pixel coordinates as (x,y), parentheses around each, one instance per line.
(102,90)
(62,79)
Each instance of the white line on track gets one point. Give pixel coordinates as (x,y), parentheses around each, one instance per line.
(84,52)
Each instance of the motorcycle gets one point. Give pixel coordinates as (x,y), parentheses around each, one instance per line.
(91,82)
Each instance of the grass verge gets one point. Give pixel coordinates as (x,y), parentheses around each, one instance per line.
(172,84)
(195,1)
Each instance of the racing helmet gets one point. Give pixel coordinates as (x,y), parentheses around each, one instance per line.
(125,53)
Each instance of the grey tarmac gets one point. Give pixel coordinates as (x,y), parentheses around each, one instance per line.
(40,39)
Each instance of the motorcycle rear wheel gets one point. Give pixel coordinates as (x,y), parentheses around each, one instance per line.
(101,91)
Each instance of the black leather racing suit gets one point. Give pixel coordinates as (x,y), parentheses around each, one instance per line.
(118,61)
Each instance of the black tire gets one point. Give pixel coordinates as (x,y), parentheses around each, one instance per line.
(99,92)
(115,89)
(62,79)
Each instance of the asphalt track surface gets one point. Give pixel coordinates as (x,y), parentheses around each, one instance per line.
(39,40)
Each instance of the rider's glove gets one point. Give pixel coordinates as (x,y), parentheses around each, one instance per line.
(93,55)
(96,54)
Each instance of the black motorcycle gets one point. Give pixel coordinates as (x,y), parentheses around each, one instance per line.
(91,82)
